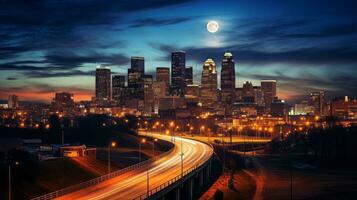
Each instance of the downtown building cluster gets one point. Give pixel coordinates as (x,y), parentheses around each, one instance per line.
(173,93)
(170,94)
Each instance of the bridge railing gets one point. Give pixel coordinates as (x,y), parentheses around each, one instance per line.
(97,180)
(173,180)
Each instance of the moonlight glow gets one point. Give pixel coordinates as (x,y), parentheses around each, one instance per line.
(212,26)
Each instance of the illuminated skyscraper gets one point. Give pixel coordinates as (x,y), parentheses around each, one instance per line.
(209,84)
(103,83)
(228,79)
(178,67)
(135,82)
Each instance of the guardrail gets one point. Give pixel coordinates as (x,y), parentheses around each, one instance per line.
(172,181)
(97,180)
(177,178)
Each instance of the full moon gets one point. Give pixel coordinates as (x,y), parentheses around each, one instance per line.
(212,26)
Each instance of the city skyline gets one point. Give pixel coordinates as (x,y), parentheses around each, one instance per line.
(311,49)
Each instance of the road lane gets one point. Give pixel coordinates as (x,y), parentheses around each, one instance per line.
(134,183)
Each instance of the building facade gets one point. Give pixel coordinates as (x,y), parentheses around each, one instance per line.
(13,101)
(178,68)
(209,84)
(228,82)
(268,88)
(118,88)
(103,83)
(189,75)
(163,75)
(63,100)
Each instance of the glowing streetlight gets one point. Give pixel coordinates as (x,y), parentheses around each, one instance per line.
(142,141)
(111,145)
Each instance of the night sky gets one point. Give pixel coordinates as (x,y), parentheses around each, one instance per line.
(49,46)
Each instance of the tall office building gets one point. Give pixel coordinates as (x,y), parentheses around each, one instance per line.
(317,101)
(13,101)
(228,79)
(103,83)
(209,84)
(148,95)
(138,64)
(63,100)
(178,67)
(248,94)
(135,82)
(118,88)
(163,75)
(268,88)
(189,76)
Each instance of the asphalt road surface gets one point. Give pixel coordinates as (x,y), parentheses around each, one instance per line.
(134,183)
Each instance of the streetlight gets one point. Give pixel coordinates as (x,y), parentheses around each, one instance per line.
(172,124)
(153,146)
(112,144)
(10,192)
(181,161)
(142,141)
(202,128)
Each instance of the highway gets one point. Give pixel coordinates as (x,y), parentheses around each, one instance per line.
(134,183)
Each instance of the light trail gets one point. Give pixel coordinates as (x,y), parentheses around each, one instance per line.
(133,183)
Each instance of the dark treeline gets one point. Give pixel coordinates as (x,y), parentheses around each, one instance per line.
(331,148)
(96,130)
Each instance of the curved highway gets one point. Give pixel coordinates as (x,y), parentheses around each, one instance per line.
(134,183)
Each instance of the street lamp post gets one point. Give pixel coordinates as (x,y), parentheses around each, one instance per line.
(181,161)
(9,181)
(10,188)
(112,144)
(141,142)
(153,147)
(147,182)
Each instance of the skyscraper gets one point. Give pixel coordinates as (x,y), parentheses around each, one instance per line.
(178,67)
(268,88)
(63,100)
(148,95)
(138,64)
(248,94)
(228,79)
(317,101)
(209,83)
(118,88)
(13,101)
(163,75)
(135,82)
(189,76)
(103,83)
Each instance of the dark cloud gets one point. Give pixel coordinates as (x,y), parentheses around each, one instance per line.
(330,31)
(44,74)
(71,60)
(42,25)
(54,64)
(247,54)
(158,22)
(11,78)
